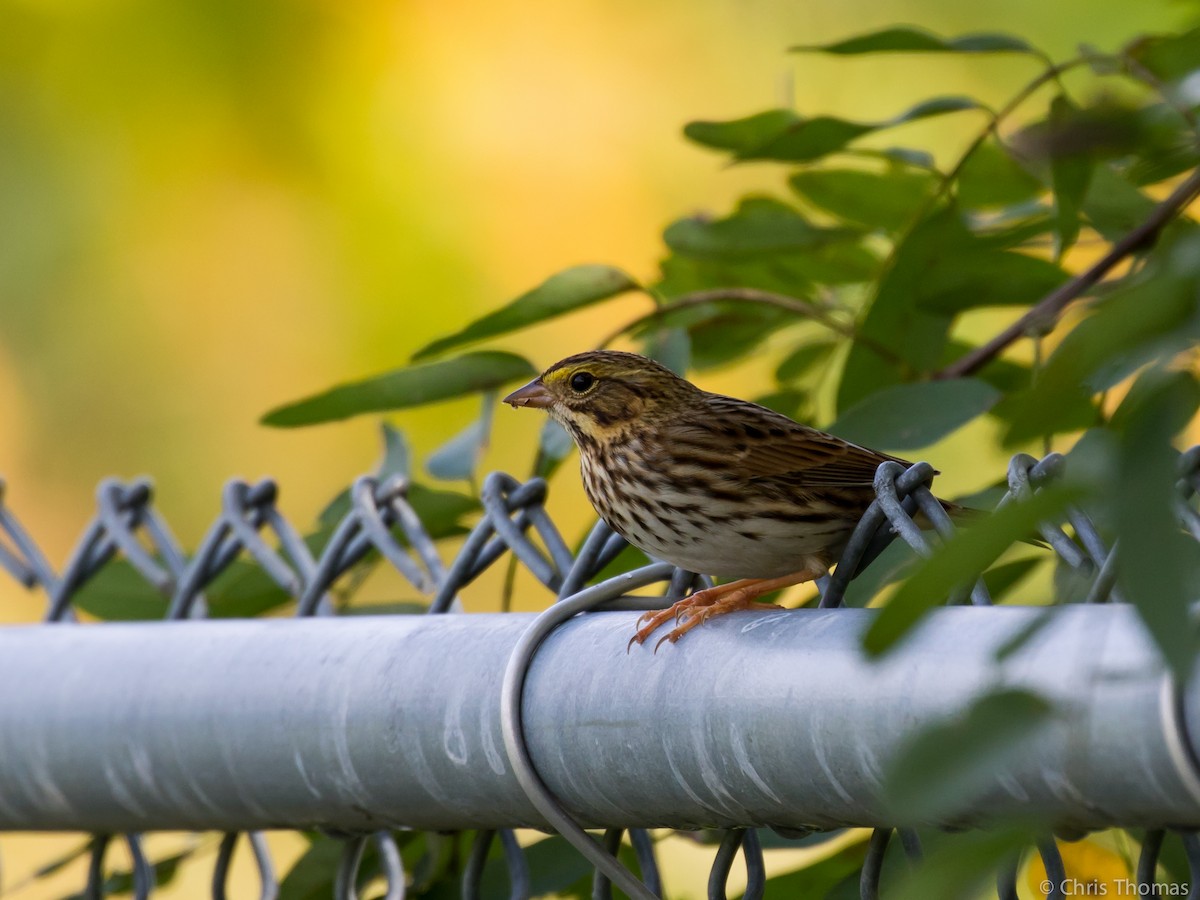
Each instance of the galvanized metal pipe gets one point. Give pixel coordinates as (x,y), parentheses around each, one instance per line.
(756,718)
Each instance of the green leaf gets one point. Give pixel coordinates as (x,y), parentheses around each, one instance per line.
(554,445)
(982,275)
(791,273)
(738,134)
(963,864)
(1113,206)
(778,135)
(906,39)
(457,459)
(119,593)
(627,560)
(940,269)
(554,865)
(1071,409)
(962,558)
(59,863)
(760,226)
(803,359)
(893,318)
(991,177)
(1002,579)
(730,331)
(559,294)
(122,882)
(785,136)
(431,863)
(1169,57)
(894,563)
(908,416)
(670,346)
(948,766)
(1158,566)
(1174,862)
(817,879)
(883,200)
(244,590)
(397,455)
(311,876)
(1157,163)
(1102,130)
(1071,173)
(412,386)
(440,511)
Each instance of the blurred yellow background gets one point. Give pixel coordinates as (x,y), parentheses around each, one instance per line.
(207,209)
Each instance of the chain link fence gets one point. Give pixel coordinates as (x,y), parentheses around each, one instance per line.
(379,524)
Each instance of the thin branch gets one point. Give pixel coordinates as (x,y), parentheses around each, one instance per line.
(1048,308)
(1054,73)
(795,305)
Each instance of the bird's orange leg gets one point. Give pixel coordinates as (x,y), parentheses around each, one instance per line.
(715,601)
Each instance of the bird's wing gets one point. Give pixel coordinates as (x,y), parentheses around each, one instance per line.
(763,444)
(814,459)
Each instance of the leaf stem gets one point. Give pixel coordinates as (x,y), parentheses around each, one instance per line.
(1048,308)
(802,308)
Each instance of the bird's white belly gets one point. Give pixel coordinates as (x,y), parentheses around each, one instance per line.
(745,548)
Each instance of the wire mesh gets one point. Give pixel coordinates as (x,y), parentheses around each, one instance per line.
(379,521)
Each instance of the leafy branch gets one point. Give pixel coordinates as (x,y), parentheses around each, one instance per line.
(1039,318)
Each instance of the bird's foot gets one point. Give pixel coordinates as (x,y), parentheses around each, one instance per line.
(703,605)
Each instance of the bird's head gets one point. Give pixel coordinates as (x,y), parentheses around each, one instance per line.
(600,393)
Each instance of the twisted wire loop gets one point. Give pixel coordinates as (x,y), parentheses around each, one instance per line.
(872,870)
(510,510)
(123,510)
(746,840)
(1056,871)
(1006,881)
(142,871)
(376,509)
(518,868)
(643,848)
(898,491)
(877,845)
(391,866)
(267,879)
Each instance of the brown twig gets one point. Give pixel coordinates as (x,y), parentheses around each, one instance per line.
(802,308)
(1048,308)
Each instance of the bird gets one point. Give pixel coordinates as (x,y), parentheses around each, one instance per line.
(709,483)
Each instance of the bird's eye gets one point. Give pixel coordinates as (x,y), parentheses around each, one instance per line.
(581,381)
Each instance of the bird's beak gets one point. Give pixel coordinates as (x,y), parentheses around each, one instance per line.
(533,394)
